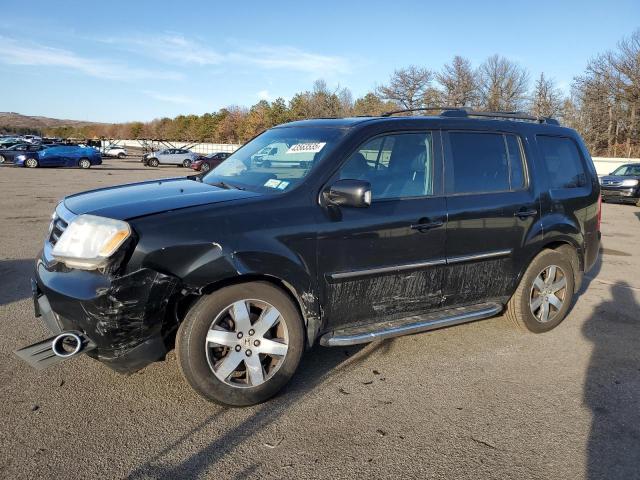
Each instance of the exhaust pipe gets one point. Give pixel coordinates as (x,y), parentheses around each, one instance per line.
(66,345)
(55,349)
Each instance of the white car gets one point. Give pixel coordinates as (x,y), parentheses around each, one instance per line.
(114,151)
(170,156)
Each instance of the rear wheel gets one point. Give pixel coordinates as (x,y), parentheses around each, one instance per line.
(84,163)
(31,163)
(205,167)
(545,293)
(153,162)
(240,345)
(186,163)
(121,155)
(2,159)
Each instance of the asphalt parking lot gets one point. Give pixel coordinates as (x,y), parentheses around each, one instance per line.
(481,400)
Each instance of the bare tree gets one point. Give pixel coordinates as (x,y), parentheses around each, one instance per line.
(546,100)
(407,86)
(459,83)
(502,84)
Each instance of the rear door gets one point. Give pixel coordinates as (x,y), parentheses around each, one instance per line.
(386,261)
(492,210)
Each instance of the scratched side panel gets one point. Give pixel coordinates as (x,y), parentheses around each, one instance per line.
(473,282)
(360,301)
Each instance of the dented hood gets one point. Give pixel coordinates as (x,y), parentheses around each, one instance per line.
(145,198)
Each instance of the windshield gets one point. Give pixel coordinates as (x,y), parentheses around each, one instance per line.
(277,160)
(627,170)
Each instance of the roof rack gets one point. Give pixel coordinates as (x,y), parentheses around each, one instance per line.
(466,112)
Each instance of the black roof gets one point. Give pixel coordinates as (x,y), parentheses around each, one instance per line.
(430,121)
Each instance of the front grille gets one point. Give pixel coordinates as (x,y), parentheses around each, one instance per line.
(61,220)
(58,227)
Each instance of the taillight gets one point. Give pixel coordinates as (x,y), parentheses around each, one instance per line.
(599,211)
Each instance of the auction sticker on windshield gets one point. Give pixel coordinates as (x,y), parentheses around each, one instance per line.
(306,147)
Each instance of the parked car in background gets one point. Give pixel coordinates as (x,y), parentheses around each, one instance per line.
(170,156)
(401,225)
(206,163)
(8,155)
(282,154)
(114,151)
(623,184)
(59,156)
(32,138)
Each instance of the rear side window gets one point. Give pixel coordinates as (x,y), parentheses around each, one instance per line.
(562,161)
(484,162)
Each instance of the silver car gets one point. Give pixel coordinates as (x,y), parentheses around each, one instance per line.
(170,156)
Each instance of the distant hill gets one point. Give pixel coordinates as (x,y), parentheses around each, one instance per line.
(19,121)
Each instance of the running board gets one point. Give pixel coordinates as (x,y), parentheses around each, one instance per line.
(406,326)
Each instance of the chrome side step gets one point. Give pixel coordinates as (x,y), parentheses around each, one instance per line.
(406,326)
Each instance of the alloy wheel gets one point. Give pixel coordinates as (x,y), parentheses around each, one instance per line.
(31,163)
(548,293)
(247,343)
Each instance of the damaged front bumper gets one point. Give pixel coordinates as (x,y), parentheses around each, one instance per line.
(125,317)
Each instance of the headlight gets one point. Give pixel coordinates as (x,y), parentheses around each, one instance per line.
(21,157)
(629,182)
(89,241)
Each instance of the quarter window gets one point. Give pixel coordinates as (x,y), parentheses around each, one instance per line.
(562,161)
(396,166)
(484,162)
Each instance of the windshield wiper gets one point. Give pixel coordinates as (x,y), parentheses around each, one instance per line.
(226,186)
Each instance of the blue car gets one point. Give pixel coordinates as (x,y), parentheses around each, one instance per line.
(60,156)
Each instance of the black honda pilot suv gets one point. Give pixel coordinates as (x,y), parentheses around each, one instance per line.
(363,229)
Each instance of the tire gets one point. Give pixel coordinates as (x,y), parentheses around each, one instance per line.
(202,364)
(186,163)
(205,167)
(2,159)
(84,163)
(521,306)
(153,162)
(121,155)
(31,163)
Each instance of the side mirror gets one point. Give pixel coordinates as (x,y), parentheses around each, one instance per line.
(349,193)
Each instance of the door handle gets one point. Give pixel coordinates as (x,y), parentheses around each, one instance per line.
(425,224)
(524,213)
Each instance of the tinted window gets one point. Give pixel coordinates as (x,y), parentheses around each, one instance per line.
(395,165)
(478,163)
(562,160)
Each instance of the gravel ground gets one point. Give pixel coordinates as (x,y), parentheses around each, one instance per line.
(481,400)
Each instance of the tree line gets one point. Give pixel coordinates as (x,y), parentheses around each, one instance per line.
(603,103)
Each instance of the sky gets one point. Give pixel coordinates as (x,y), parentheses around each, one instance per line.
(136,60)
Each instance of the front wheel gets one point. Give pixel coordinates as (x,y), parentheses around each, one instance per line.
(84,163)
(205,167)
(31,163)
(153,162)
(545,293)
(186,163)
(240,345)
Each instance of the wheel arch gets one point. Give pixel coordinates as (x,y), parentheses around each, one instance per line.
(558,243)
(306,311)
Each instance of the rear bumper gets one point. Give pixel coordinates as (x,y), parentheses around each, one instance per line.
(124,317)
